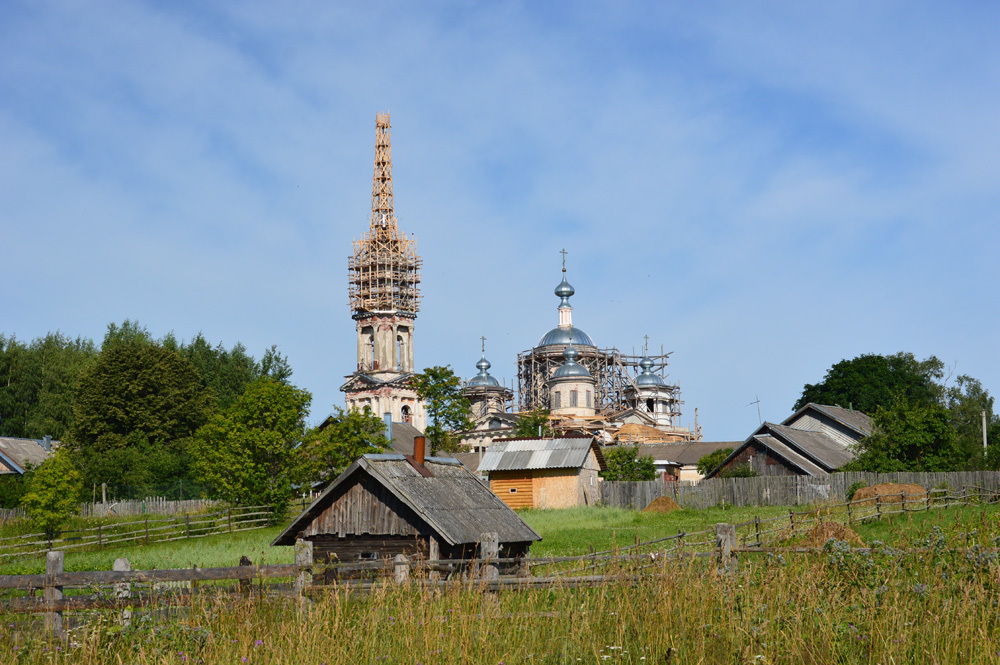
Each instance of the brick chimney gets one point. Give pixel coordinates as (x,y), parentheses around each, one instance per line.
(419,446)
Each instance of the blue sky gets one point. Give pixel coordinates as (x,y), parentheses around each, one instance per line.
(762,188)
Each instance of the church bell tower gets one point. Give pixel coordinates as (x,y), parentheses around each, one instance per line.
(384,291)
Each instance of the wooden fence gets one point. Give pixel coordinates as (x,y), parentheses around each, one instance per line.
(154,505)
(781,490)
(146,530)
(123,589)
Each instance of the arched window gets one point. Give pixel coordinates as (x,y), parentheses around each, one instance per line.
(588,399)
(651,405)
(574,398)
(405,413)
(556,400)
(399,352)
(495,423)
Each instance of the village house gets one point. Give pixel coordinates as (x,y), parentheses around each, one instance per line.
(18,455)
(544,473)
(425,507)
(815,440)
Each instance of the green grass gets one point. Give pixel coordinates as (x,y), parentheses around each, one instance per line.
(971,522)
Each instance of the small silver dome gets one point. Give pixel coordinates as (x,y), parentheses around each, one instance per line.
(571,369)
(647,378)
(483,379)
(559,336)
(565,289)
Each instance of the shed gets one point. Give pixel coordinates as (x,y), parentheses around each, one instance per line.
(18,455)
(390,504)
(544,473)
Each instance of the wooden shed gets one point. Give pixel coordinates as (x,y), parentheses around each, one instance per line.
(545,473)
(384,505)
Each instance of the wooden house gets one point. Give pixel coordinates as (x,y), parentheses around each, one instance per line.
(384,505)
(19,455)
(816,440)
(544,473)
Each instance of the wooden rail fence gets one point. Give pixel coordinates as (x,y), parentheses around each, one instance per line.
(146,530)
(124,589)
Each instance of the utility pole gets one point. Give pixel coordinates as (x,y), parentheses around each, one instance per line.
(984,430)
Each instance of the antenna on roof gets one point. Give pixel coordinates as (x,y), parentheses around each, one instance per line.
(757,402)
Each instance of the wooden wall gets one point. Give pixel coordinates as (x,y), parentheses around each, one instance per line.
(367,508)
(502,482)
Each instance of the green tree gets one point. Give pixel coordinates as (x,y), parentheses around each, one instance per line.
(966,401)
(53,493)
(532,424)
(137,407)
(342,439)
(249,453)
(448,409)
(711,461)
(870,381)
(909,437)
(624,463)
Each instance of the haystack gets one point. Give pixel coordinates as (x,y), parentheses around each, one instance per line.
(662,504)
(827,530)
(890,493)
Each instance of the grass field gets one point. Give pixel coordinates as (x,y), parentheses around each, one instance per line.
(838,606)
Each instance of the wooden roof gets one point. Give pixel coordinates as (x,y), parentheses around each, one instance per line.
(453,502)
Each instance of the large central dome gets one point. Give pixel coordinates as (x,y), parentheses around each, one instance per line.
(561,336)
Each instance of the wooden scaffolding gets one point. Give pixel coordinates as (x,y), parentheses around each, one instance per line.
(384,271)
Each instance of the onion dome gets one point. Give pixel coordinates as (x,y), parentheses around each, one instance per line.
(647,378)
(483,379)
(564,291)
(560,336)
(570,368)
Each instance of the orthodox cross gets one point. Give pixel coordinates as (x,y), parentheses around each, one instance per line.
(484,344)
(563,252)
(647,343)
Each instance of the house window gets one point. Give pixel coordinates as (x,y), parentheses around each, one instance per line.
(573,397)
(556,400)
(513,490)
(368,556)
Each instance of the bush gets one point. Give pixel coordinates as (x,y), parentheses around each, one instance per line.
(738,471)
(853,489)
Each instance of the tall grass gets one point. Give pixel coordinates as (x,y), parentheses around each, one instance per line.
(837,607)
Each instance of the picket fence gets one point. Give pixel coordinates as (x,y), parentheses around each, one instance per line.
(780,490)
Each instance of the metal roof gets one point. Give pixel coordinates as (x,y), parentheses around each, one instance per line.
(818,446)
(21,453)
(530,454)
(558,336)
(685,454)
(452,501)
(782,450)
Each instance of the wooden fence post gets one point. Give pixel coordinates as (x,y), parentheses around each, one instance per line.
(187,523)
(53,566)
(303,559)
(756,529)
(123,590)
(147,529)
(791,520)
(433,554)
(489,550)
(878,506)
(245,578)
(229,516)
(401,568)
(725,537)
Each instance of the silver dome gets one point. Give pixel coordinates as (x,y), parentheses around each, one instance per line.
(571,369)
(647,378)
(483,379)
(560,336)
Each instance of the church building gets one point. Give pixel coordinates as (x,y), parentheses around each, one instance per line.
(384,292)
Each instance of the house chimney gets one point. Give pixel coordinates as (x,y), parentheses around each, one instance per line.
(47,442)
(387,417)
(418,449)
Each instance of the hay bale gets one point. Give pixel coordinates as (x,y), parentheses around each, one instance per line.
(890,493)
(662,504)
(827,530)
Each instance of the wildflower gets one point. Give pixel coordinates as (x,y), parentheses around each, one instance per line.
(258,643)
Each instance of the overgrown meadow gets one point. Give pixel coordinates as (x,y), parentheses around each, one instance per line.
(937,604)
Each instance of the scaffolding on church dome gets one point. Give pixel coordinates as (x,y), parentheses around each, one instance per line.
(613,370)
(384,271)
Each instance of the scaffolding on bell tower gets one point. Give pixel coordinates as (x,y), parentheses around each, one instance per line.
(384,271)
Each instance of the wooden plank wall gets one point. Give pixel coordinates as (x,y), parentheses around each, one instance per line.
(781,490)
(502,482)
(366,508)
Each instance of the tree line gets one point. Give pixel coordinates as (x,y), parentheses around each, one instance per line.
(142,415)
(922,420)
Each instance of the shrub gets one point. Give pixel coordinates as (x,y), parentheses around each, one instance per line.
(853,489)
